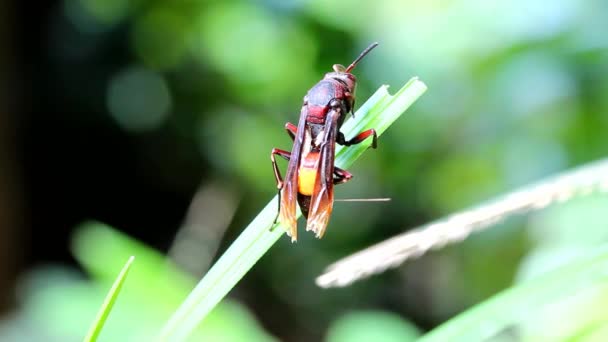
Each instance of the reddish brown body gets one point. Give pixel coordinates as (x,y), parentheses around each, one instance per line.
(318,99)
(311,173)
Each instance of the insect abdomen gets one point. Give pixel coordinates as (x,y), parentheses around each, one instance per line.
(307,174)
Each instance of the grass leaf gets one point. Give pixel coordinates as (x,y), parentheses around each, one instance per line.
(379,112)
(572,298)
(108,302)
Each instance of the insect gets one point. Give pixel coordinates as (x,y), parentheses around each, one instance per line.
(311,173)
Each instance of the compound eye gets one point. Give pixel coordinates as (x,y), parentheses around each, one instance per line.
(339,68)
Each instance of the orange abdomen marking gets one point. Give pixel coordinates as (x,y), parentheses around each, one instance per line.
(307,174)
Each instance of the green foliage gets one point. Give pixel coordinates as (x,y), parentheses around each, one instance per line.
(61,303)
(197,91)
(570,300)
(108,303)
(155,288)
(362,326)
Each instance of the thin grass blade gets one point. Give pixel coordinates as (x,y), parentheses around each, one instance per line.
(108,303)
(379,112)
(584,280)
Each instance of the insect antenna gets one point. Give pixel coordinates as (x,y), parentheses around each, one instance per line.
(365,52)
(362,200)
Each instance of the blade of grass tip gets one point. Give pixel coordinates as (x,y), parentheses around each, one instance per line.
(486,320)
(108,302)
(379,112)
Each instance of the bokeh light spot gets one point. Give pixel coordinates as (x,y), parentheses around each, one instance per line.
(138,99)
(372,326)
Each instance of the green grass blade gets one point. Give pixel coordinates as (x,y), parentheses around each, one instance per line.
(520,306)
(379,112)
(108,302)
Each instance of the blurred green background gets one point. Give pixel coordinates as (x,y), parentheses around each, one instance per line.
(158,117)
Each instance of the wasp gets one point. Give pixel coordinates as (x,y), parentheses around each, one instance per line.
(311,173)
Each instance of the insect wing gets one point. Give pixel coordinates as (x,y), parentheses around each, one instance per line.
(322,199)
(289,194)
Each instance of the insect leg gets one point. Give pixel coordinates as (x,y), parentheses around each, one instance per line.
(359,138)
(341,176)
(292,130)
(277,174)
